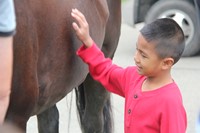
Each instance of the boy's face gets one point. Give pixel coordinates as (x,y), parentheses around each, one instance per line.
(146,59)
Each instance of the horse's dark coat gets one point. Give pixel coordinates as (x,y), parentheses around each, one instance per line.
(46,67)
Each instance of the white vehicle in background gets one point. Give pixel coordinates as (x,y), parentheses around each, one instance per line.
(184,12)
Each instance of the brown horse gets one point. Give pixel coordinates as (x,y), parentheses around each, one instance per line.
(46,67)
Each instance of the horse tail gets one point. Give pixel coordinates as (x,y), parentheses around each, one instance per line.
(107,111)
(80,101)
(108,118)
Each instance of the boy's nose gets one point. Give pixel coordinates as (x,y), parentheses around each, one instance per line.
(136,59)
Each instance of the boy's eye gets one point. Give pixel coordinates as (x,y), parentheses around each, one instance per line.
(141,53)
(144,56)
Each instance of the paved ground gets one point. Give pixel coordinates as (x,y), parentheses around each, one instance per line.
(186,73)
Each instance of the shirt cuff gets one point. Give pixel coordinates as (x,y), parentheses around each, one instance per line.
(7,34)
(88,53)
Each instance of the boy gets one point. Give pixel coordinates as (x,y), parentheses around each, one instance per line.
(153,102)
(7,30)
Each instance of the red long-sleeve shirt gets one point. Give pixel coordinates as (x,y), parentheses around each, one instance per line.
(157,111)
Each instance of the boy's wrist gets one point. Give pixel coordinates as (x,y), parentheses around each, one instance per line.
(88,43)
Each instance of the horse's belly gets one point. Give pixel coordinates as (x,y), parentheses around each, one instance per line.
(56,84)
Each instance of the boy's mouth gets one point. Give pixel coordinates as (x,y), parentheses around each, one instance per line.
(138,67)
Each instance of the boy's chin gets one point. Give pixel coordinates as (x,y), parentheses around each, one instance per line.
(140,72)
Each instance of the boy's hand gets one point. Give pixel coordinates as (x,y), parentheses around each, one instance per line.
(82,30)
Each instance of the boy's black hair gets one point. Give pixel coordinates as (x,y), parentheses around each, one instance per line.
(167,36)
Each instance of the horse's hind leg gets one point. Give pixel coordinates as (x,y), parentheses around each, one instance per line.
(95,114)
(48,120)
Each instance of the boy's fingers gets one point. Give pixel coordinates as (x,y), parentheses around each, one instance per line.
(75,26)
(79,16)
(76,16)
(80,22)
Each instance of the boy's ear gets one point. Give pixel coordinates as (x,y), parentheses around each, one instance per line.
(168,63)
